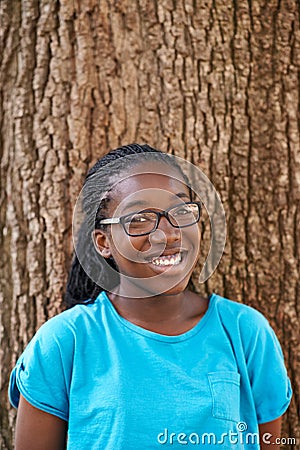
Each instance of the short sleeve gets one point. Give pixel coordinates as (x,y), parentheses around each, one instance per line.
(42,373)
(271,387)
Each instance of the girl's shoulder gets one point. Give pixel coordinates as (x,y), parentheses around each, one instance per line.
(237,312)
(69,324)
(242,320)
(246,326)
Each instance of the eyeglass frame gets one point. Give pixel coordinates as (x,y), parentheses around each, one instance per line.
(159,215)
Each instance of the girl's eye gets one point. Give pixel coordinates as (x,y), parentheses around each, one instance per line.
(182,211)
(138,218)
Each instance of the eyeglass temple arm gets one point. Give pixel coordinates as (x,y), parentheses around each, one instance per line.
(110,221)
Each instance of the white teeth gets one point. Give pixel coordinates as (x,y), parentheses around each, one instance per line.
(169,260)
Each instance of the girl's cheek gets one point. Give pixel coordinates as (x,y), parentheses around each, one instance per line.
(130,247)
(192,233)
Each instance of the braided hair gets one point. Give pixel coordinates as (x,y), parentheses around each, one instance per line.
(81,289)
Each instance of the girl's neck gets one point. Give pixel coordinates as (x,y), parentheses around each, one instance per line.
(164,313)
(150,309)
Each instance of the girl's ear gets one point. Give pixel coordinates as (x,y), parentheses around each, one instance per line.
(101,243)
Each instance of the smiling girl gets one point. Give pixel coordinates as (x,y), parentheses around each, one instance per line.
(139,361)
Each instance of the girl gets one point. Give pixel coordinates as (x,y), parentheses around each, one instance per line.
(139,361)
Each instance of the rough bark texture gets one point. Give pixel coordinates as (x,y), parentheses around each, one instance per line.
(214,81)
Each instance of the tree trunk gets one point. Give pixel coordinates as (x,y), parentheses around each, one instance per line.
(213,81)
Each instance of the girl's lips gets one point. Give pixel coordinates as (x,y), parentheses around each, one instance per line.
(167,260)
(166,253)
(173,264)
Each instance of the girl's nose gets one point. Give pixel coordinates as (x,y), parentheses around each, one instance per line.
(165,232)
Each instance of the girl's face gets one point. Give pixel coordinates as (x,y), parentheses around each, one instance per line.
(159,262)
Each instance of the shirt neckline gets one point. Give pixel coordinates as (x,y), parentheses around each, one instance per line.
(157,336)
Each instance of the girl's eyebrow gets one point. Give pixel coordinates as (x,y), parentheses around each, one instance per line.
(144,202)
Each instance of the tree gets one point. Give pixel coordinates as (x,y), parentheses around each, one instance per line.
(213,81)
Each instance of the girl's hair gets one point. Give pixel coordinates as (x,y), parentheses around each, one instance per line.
(80,287)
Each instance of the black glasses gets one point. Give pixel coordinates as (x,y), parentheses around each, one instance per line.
(145,222)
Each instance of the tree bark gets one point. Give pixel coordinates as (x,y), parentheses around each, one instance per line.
(213,81)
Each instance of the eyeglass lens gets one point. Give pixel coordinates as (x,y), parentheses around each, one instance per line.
(146,222)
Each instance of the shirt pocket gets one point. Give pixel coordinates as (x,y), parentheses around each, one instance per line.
(225,392)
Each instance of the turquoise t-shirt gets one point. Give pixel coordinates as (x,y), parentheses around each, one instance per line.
(121,387)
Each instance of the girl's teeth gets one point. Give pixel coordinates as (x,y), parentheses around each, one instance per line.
(170,260)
